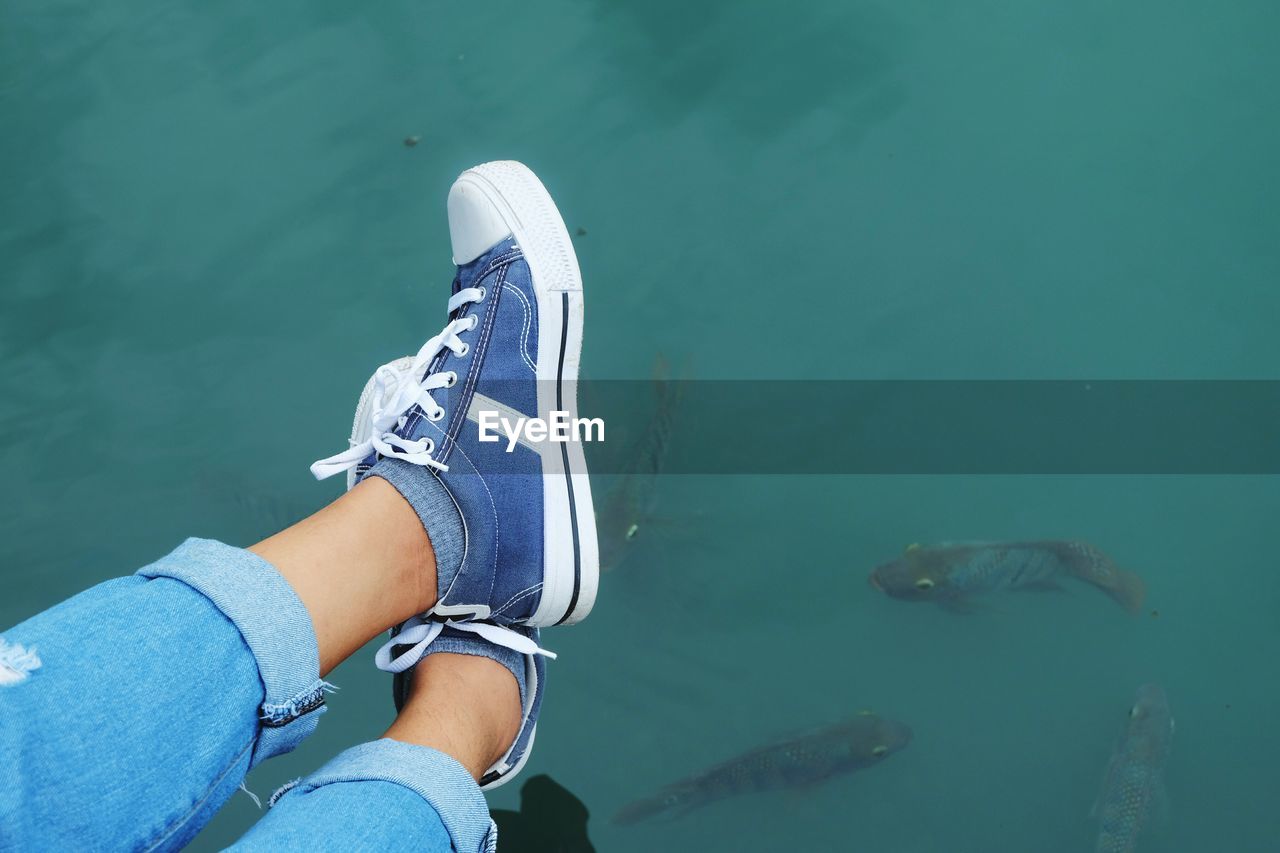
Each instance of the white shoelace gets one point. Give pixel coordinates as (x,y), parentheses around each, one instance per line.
(408,389)
(419,633)
(395,392)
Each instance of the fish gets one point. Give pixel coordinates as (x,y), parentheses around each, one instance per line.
(796,763)
(628,505)
(1134,785)
(949,573)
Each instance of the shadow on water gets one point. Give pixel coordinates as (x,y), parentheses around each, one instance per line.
(550,820)
(763,67)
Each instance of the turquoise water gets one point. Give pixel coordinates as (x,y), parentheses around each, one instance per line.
(211,231)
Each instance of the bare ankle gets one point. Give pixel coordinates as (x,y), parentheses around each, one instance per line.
(466,706)
(360,566)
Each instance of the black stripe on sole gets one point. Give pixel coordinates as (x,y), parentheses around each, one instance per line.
(564,455)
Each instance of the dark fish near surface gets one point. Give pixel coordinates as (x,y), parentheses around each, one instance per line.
(949,572)
(628,505)
(1134,785)
(798,762)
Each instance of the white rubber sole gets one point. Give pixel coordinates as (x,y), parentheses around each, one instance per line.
(571,557)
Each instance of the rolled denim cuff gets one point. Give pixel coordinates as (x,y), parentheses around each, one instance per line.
(439,779)
(275,626)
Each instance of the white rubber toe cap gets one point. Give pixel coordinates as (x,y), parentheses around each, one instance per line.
(475,223)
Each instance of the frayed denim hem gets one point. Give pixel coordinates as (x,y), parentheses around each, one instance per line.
(281,791)
(274,716)
(275,626)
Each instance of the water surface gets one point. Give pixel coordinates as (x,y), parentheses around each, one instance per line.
(211,231)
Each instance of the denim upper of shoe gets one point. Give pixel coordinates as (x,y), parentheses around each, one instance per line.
(498,491)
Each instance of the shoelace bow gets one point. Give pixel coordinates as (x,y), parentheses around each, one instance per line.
(419,632)
(396,391)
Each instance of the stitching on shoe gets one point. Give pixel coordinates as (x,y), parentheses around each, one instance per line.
(412,420)
(524,593)
(512,254)
(473,375)
(466,538)
(416,414)
(492,505)
(528,325)
(466,531)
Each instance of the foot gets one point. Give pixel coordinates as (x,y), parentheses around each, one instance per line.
(418,640)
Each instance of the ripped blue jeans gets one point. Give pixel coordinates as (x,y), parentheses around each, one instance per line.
(130,713)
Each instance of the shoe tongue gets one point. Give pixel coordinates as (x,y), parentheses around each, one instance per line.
(401,366)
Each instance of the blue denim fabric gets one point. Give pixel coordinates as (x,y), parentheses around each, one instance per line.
(274,624)
(502,508)
(138,726)
(384,795)
(155,695)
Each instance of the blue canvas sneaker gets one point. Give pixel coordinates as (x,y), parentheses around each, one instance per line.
(511,347)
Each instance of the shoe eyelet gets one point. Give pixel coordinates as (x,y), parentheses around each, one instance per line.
(483,293)
(464,349)
(431,446)
(475,321)
(451,379)
(434,417)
